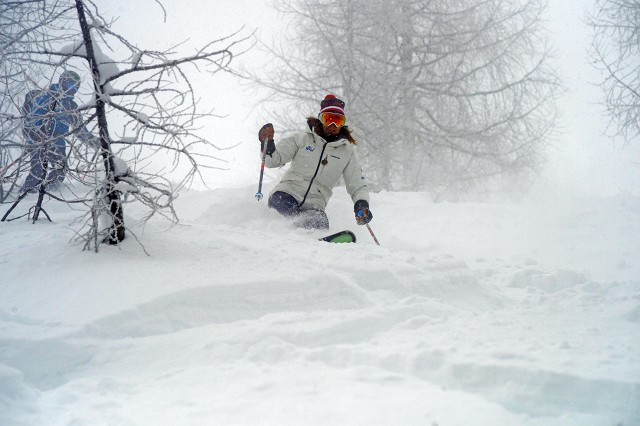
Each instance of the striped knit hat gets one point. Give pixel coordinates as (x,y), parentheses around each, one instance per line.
(332,104)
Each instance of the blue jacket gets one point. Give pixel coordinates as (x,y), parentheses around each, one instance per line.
(65,116)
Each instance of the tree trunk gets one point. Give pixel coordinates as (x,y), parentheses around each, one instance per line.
(113,197)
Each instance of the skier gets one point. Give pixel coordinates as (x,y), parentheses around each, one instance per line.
(50,116)
(319,156)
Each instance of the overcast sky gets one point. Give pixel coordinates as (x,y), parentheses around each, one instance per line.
(583,160)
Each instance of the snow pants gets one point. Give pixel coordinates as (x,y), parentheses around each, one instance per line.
(48,164)
(287,206)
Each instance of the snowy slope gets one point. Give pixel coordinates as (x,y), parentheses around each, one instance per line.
(467,314)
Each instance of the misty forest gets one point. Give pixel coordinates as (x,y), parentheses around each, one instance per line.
(449,98)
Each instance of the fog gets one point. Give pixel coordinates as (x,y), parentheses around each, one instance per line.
(583,159)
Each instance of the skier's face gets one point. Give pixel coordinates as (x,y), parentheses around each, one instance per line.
(331,129)
(332,122)
(70,87)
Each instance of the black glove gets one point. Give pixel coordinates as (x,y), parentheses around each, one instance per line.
(271,147)
(363,214)
(265,132)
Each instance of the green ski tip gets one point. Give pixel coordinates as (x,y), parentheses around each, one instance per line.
(340,237)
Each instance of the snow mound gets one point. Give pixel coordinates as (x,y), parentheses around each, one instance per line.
(483,314)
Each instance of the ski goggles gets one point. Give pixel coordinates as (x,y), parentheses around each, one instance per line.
(329,118)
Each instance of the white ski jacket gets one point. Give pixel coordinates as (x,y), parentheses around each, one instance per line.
(309,152)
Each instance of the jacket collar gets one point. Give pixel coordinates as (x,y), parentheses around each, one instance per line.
(316,136)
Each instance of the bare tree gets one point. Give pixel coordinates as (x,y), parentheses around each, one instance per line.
(616,52)
(22,24)
(147,97)
(444,94)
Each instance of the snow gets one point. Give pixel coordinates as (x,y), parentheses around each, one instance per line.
(142,117)
(108,67)
(468,313)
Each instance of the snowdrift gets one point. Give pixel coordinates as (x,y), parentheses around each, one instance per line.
(483,314)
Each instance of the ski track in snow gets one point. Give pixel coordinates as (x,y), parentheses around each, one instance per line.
(236,318)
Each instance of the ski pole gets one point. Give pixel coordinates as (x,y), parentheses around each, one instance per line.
(360,214)
(372,234)
(264,155)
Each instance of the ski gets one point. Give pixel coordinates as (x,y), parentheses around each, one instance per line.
(340,237)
